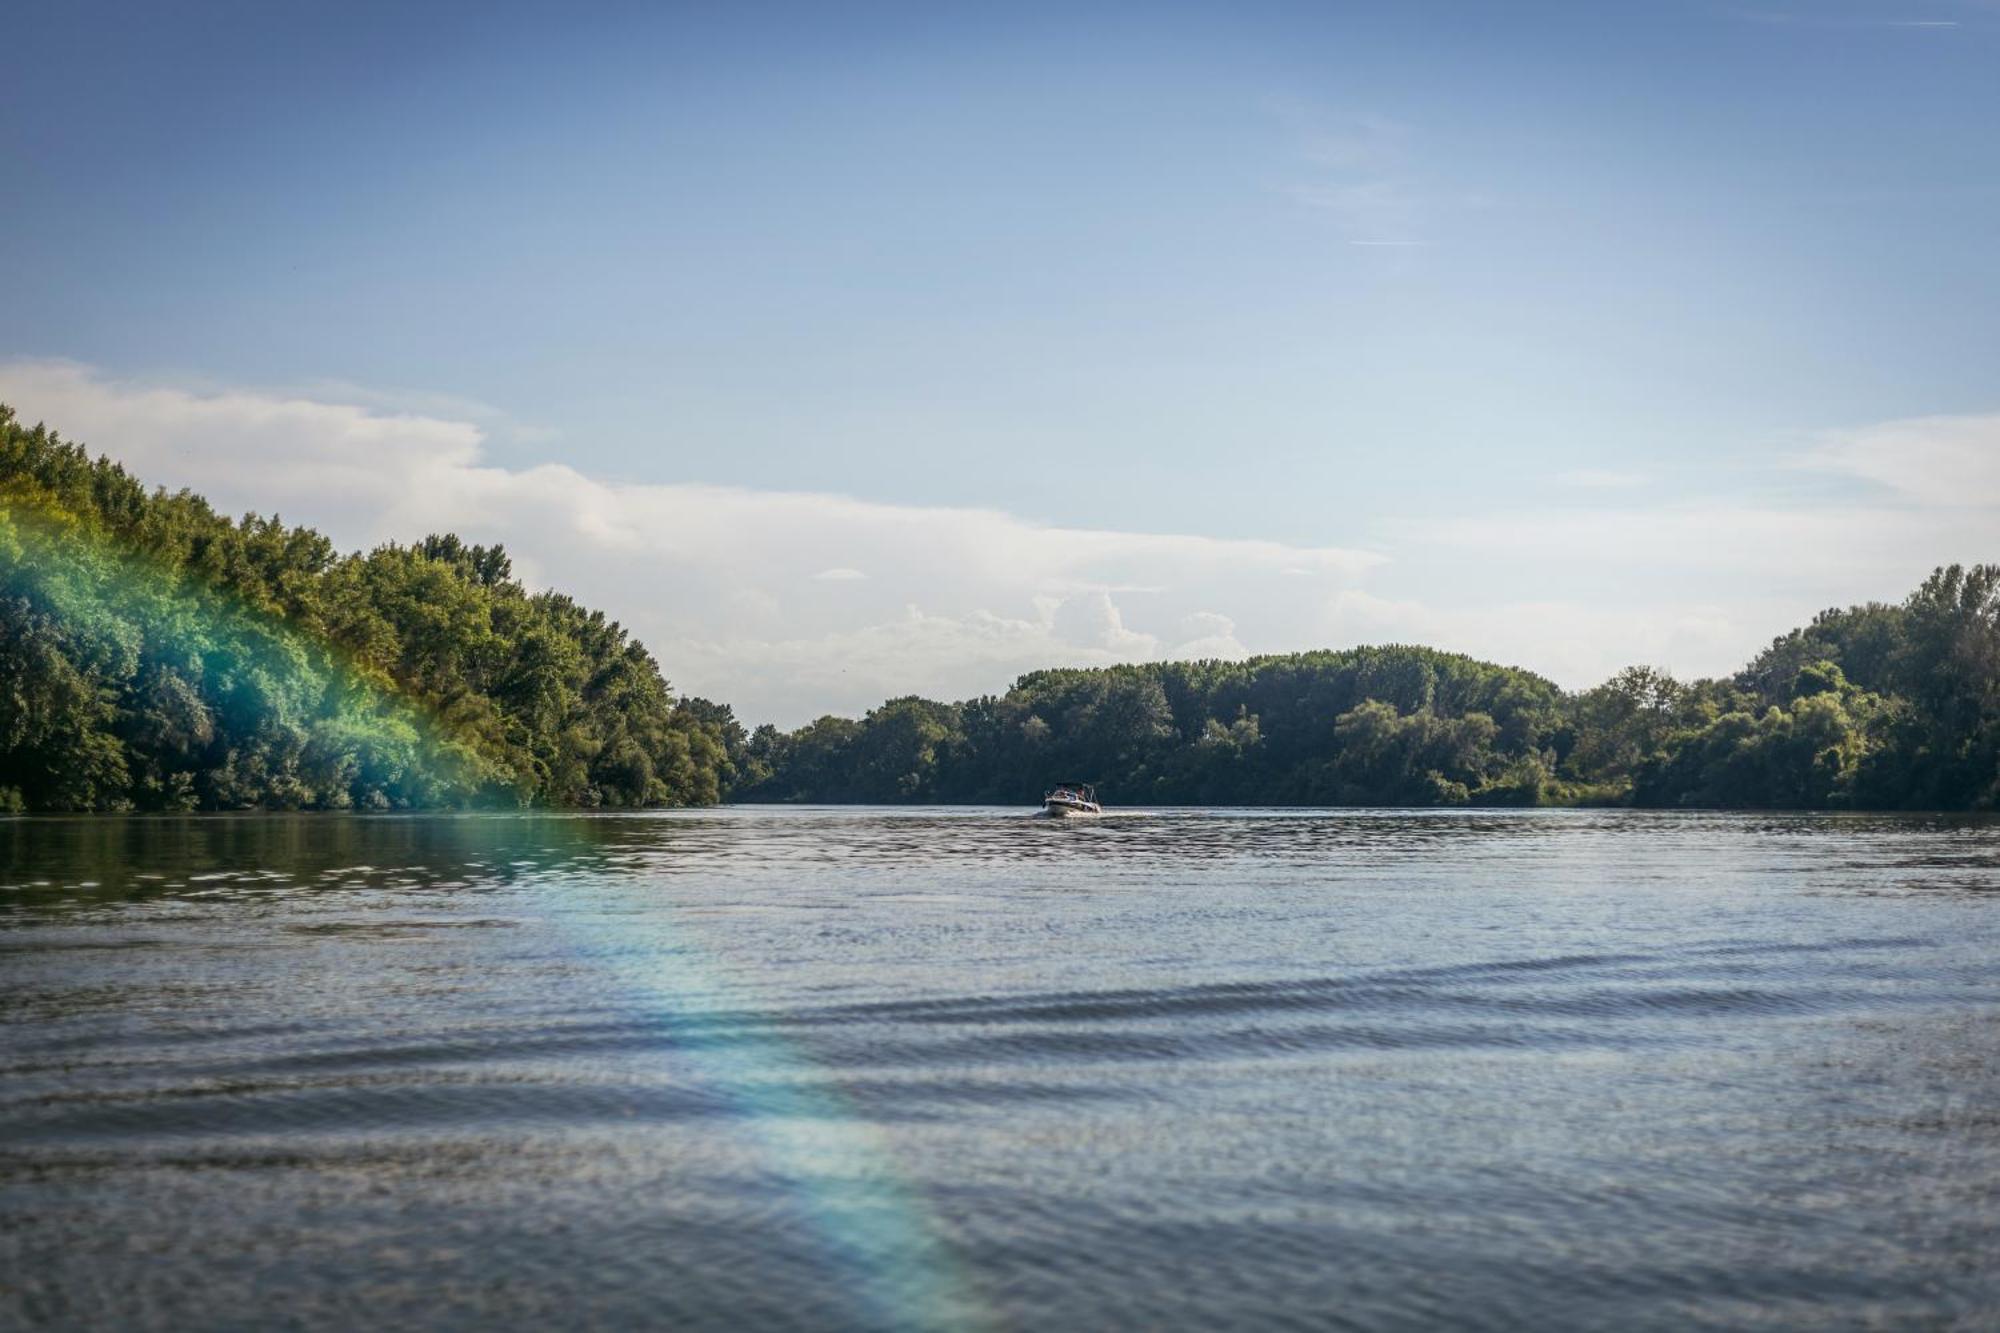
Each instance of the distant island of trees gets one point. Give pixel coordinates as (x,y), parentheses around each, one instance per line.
(155,655)
(1873,707)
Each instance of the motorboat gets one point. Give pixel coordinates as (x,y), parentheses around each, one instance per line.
(1070,800)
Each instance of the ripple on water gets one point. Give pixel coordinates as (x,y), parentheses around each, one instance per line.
(800,1068)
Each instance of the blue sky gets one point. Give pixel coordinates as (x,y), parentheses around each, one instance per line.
(1471,290)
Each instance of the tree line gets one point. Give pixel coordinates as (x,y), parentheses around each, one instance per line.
(1873,707)
(156,655)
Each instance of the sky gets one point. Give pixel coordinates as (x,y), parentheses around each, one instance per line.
(843,351)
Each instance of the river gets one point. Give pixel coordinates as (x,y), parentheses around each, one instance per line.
(813,1068)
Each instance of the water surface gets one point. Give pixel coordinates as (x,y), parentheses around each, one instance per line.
(840,1068)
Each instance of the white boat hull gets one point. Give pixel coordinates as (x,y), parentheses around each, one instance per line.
(1070,810)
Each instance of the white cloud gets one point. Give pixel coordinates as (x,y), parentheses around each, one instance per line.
(722,583)
(1696,585)
(1573,642)
(1091,620)
(729,587)
(1950,462)
(1206,634)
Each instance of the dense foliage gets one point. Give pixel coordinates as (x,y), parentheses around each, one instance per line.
(155,655)
(1877,707)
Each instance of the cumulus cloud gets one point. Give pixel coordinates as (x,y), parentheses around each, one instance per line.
(1208,634)
(726,585)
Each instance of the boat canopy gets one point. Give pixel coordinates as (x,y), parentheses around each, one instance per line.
(1072,797)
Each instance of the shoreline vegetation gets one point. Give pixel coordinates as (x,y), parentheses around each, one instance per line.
(158,656)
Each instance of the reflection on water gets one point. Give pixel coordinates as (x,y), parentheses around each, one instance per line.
(45,862)
(864,1068)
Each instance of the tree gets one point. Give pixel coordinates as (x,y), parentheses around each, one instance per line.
(160,656)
